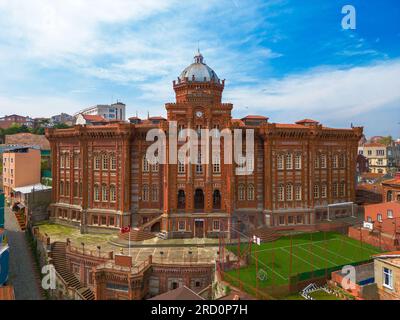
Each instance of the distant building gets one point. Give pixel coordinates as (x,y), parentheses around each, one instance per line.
(32,200)
(387,275)
(21,167)
(380,157)
(62,118)
(1,208)
(391,188)
(362,165)
(114,112)
(8,121)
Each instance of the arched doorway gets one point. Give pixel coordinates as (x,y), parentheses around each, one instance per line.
(217,199)
(199,199)
(181,199)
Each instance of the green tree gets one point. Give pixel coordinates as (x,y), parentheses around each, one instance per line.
(386,140)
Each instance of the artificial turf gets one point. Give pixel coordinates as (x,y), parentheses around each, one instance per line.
(311,252)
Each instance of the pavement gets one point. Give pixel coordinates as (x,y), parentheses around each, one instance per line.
(23,274)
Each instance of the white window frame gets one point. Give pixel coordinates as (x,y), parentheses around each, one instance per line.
(389,273)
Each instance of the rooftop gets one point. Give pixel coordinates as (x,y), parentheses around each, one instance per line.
(30,188)
(28,139)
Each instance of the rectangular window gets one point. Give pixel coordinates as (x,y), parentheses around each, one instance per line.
(299,219)
(145,164)
(199,167)
(112,221)
(335,189)
(316,162)
(182,225)
(216,225)
(379,217)
(335,161)
(181,167)
(387,278)
(390,214)
(324,191)
(323,161)
(216,164)
(281,220)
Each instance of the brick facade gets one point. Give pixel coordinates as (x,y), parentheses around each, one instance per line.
(102,183)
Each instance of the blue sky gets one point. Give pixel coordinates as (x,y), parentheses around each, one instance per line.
(286,59)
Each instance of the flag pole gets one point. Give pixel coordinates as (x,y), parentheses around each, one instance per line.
(129,249)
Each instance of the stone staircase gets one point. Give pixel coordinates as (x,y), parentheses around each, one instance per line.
(266,234)
(21,220)
(137,234)
(58,253)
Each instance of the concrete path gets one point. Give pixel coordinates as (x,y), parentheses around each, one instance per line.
(22,269)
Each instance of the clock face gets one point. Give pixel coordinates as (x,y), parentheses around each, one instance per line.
(199,114)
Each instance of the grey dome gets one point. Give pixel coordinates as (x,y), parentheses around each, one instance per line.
(200,71)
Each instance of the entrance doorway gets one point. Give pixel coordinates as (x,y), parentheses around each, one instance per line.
(199,199)
(199,228)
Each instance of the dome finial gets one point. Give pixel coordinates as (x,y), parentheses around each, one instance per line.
(198,58)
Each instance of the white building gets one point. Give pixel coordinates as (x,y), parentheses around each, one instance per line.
(114,112)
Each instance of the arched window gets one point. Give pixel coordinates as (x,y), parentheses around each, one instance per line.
(113,194)
(298,192)
(145,165)
(104,192)
(62,160)
(335,160)
(181,167)
(154,192)
(323,161)
(67,160)
(324,191)
(316,191)
(67,186)
(105,162)
(61,187)
(97,162)
(76,160)
(316,161)
(241,192)
(289,161)
(335,189)
(145,193)
(289,192)
(217,199)
(113,160)
(297,161)
(96,193)
(216,163)
(181,199)
(342,161)
(280,162)
(342,190)
(76,189)
(154,167)
(281,193)
(250,192)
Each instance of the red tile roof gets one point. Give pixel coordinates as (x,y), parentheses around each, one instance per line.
(289,126)
(374,144)
(157,118)
(94,118)
(306,121)
(255,117)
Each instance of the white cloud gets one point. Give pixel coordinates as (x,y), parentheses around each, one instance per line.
(326,93)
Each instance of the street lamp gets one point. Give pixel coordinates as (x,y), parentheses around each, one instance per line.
(99,248)
(83,247)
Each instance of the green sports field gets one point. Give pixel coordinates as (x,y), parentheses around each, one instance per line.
(311,252)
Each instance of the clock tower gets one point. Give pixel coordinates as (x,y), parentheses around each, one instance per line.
(198,192)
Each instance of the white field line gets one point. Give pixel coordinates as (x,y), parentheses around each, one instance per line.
(301,258)
(317,255)
(297,245)
(276,272)
(335,253)
(359,247)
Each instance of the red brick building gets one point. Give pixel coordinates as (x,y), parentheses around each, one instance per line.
(102,180)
